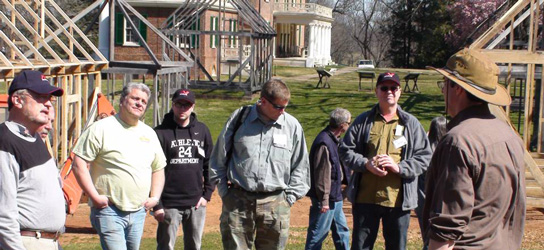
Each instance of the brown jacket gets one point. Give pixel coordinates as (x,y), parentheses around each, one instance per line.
(476,184)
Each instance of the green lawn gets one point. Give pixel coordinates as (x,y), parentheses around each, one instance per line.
(311,107)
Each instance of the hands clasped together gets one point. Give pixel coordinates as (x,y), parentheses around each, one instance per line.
(381,165)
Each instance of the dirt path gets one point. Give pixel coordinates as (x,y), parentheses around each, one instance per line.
(78,228)
(314,75)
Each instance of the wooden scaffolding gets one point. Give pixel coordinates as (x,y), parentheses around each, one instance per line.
(167,73)
(253,52)
(513,43)
(38,35)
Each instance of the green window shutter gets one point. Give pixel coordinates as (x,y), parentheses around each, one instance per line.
(197,36)
(143,29)
(194,38)
(235,30)
(211,28)
(119,28)
(217,28)
(231,30)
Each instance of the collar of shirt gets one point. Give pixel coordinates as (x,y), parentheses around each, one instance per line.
(379,115)
(480,111)
(18,129)
(254,115)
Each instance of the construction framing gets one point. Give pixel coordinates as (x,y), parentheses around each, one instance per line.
(526,13)
(253,39)
(38,35)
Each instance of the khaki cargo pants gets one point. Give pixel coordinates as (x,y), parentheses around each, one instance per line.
(254,218)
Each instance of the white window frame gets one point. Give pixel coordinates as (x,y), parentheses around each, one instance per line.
(215,19)
(127,27)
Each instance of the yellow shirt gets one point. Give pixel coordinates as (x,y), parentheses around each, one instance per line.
(385,191)
(123,159)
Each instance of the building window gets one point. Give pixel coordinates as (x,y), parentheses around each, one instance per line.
(131,38)
(125,34)
(214,26)
(233,40)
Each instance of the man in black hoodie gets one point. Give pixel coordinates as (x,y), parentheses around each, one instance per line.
(187,144)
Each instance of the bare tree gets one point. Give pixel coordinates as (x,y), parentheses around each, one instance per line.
(364,21)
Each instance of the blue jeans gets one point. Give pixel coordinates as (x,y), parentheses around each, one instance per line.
(366,222)
(192,221)
(333,220)
(118,230)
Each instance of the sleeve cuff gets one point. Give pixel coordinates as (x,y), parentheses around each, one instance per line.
(291,199)
(324,203)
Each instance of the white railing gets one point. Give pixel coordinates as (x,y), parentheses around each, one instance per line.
(303,8)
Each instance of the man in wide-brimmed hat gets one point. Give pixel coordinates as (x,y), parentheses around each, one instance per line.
(476,181)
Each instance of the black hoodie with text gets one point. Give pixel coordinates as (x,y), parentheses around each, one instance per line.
(187,151)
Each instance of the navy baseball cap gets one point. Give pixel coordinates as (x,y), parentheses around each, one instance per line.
(388,76)
(183,94)
(34,81)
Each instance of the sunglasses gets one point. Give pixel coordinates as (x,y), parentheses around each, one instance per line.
(184,105)
(276,106)
(392,88)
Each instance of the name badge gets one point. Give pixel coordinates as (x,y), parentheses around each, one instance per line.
(201,152)
(400,142)
(280,140)
(399,130)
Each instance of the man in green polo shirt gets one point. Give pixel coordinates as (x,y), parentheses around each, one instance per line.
(387,148)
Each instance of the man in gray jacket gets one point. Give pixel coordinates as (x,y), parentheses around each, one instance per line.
(387,149)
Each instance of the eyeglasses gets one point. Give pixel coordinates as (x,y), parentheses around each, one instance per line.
(392,88)
(276,106)
(183,105)
(42,98)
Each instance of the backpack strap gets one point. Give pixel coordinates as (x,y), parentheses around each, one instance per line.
(241,117)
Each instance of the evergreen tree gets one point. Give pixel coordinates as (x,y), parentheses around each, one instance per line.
(417,29)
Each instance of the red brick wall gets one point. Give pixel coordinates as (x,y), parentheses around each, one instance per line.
(137,53)
(207,55)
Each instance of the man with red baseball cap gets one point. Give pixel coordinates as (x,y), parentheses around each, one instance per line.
(387,149)
(32,210)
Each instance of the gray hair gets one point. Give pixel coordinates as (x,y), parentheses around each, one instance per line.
(134,85)
(338,117)
(19,92)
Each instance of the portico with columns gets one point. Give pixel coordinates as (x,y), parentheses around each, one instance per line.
(291,21)
(319,43)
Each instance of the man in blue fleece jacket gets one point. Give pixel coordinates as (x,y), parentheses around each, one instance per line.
(187,144)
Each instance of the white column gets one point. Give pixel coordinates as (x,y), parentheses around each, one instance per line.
(274,43)
(104,31)
(311,45)
(328,42)
(321,43)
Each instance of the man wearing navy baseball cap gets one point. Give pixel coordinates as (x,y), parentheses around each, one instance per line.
(187,144)
(32,212)
(387,149)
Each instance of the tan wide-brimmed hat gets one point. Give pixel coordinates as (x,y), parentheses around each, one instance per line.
(478,75)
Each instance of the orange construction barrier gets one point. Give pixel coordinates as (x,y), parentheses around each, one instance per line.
(72,190)
(3,101)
